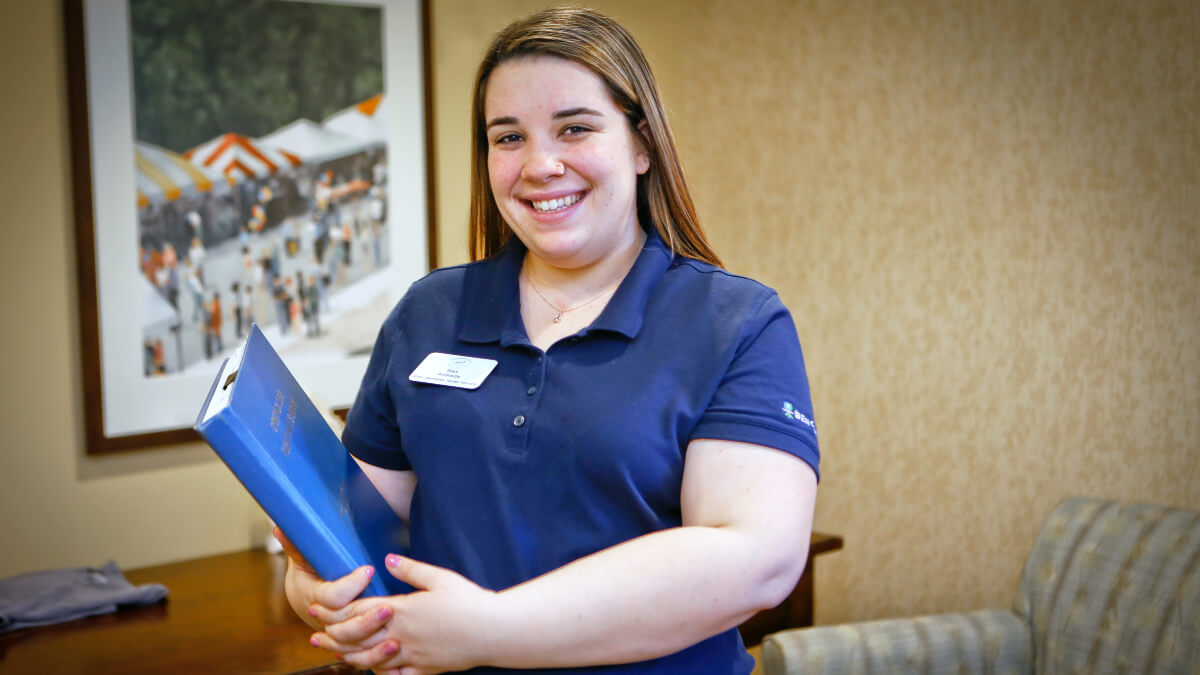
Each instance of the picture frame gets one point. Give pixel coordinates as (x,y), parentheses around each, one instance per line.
(127,404)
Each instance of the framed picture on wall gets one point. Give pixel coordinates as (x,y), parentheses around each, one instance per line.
(238,162)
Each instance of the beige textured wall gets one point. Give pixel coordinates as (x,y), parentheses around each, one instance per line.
(983,215)
(985,218)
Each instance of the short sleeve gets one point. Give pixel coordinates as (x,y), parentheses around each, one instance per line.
(372,433)
(764,397)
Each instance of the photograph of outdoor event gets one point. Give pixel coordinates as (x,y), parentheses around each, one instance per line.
(261,191)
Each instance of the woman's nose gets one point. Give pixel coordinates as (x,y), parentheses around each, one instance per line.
(540,167)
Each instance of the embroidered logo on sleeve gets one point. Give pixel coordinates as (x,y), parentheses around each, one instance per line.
(790,412)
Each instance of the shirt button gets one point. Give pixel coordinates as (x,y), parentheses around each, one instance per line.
(519,420)
(531,391)
(539,360)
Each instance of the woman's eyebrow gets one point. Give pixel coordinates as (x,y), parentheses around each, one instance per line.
(567,112)
(501,120)
(572,112)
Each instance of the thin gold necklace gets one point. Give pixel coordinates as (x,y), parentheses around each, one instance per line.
(559,311)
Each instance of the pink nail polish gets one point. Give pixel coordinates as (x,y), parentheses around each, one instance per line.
(312,611)
(369,571)
(391,648)
(383,613)
(314,641)
(392,560)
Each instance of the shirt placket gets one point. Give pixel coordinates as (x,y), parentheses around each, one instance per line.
(525,410)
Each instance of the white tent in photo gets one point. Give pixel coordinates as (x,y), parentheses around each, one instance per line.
(311,142)
(364,120)
(239,158)
(158,315)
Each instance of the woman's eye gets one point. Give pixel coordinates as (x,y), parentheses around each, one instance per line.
(576,130)
(506,139)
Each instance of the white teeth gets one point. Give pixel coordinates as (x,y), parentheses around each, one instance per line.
(550,205)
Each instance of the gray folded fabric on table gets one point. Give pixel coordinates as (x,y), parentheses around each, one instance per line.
(57,596)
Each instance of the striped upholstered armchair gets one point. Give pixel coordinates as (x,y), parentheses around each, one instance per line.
(1108,588)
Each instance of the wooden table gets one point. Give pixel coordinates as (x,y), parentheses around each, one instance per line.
(227,614)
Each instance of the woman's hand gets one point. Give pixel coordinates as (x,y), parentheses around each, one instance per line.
(306,591)
(439,627)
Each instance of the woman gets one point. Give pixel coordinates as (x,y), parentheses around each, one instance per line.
(624,466)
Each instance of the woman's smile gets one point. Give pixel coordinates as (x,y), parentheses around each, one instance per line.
(554,205)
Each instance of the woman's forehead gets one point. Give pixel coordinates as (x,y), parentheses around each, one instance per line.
(543,85)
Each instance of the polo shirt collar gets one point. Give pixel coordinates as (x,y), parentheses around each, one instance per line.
(627,308)
(491,310)
(491,296)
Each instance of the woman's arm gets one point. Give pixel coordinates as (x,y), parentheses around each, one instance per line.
(747,519)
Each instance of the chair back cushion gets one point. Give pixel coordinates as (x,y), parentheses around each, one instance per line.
(987,642)
(1114,588)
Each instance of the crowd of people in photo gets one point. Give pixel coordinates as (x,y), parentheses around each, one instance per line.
(297,243)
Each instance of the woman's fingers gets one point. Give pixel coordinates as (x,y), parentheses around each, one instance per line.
(384,654)
(338,593)
(359,630)
(324,641)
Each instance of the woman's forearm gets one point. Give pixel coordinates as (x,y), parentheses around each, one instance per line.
(747,514)
(642,599)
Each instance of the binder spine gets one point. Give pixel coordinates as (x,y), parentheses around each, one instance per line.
(280,499)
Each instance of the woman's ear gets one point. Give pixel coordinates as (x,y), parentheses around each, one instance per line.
(644,146)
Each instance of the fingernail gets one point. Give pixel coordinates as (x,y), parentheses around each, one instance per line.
(392,560)
(368,571)
(391,648)
(383,614)
(314,641)
(312,611)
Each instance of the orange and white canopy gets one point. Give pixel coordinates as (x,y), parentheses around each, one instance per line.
(364,120)
(163,176)
(238,158)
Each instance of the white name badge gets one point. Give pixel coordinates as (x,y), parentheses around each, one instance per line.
(450,370)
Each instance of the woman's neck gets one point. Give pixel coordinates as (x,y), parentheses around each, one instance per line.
(557,302)
(566,288)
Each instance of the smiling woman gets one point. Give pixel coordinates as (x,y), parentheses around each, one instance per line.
(608,495)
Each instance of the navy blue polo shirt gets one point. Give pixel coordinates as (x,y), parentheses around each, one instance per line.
(562,453)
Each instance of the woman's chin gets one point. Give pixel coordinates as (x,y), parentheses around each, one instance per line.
(555,248)
(565,258)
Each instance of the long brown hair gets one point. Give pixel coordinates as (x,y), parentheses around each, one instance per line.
(608,50)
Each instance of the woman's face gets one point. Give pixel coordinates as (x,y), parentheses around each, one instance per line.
(562,161)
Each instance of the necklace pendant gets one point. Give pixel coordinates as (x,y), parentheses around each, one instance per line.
(558,317)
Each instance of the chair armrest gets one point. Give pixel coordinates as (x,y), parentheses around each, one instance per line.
(986,641)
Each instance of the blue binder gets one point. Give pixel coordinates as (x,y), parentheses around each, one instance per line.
(269,433)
